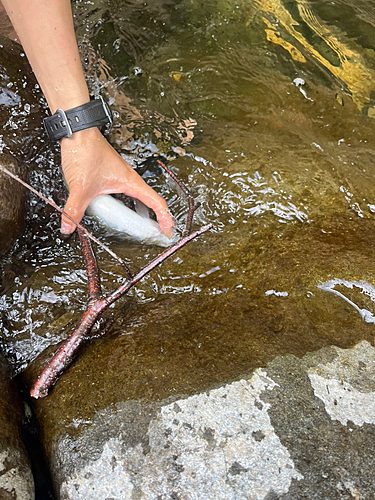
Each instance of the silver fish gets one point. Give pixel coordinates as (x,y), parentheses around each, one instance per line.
(136,226)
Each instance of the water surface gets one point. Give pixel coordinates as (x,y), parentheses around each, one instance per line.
(265,109)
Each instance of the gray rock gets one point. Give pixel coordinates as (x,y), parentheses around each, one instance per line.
(300,428)
(12,203)
(16,480)
(331,451)
(218,445)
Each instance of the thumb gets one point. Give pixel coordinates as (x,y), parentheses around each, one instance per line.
(76,209)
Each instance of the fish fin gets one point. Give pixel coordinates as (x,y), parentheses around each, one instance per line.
(141,209)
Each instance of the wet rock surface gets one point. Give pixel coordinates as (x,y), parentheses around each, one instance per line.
(12,203)
(117,396)
(299,428)
(187,342)
(21,114)
(16,480)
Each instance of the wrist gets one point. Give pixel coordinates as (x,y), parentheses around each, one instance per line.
(67,98)
(81,137)
(65,123)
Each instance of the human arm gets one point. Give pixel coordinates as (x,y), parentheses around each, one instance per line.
(90,165)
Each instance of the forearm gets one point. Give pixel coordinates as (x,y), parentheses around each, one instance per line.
(45,29)
(91,166)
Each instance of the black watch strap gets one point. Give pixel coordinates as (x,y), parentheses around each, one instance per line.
(95,113)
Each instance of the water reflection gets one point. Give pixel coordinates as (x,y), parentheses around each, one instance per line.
(264,108)
(366,288)
(329,46)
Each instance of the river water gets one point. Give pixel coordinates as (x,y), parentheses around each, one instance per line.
(265,109)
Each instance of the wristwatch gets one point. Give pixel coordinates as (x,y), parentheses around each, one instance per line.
(95,113)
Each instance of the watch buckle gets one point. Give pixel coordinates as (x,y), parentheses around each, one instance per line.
(65,123)
(107,111)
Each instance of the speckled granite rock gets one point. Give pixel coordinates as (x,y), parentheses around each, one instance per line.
(300,428)
(16,480)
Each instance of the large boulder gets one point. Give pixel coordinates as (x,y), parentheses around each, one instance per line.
(186,400)
(299,428)
(16,480)
(12,203)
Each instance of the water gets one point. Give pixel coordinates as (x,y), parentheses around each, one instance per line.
(265,109)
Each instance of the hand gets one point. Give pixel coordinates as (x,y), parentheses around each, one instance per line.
(92,167)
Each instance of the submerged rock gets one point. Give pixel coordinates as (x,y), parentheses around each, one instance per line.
(12,203)
(21,114)
(298,428)
(16,480)
(170,403)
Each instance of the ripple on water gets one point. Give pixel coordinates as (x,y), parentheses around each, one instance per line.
(279,150)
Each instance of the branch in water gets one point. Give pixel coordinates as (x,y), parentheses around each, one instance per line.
(192,206)
(56,207)
(66,352)
(97,303)
(94,287)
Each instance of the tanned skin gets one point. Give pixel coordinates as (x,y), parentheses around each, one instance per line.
(90,165)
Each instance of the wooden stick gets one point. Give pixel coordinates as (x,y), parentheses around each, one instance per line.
(66,352)
(56,207)
(192,206)
(94,286)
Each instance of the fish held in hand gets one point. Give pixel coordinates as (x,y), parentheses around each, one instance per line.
(134,225)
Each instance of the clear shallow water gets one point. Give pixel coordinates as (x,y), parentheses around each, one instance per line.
(264,108)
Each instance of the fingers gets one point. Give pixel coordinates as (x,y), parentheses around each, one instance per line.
(154,201)
(75,207)
(96,168)
(133,185)
(165,221)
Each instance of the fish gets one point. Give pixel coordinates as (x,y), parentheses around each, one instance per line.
(125,222)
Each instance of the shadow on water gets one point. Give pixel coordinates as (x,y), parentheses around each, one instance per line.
(265,109)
